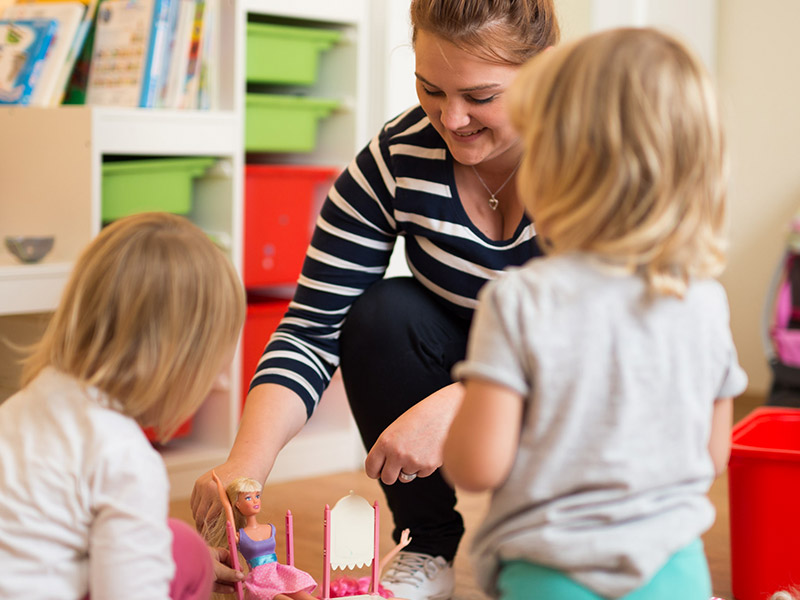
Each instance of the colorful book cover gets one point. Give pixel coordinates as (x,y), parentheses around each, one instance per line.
(120,53)
(77,79)
(23,46)
(179,57)
(156,51)
(68,15)
(191,83)
(79,40)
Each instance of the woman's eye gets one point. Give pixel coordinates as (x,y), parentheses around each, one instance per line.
(481,100)
(431,92)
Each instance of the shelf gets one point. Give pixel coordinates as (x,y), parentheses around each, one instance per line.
(341,11)
(172,132)
(31,288)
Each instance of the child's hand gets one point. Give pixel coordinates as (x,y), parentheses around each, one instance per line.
(224,576)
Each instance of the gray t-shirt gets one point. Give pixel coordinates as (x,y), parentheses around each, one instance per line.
(612,470)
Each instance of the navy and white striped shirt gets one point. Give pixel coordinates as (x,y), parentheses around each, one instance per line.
(402,183)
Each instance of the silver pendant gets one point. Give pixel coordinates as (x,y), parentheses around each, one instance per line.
(493,202)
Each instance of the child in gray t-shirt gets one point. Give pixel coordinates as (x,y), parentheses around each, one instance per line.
(599,380)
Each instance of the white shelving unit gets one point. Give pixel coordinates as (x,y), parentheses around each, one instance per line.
(51,168)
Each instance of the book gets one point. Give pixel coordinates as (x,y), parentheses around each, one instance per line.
(179,57)
(83,38)
(122,48)
(23,46)
(68,16)
(191,85)
(156,52)
(208,94)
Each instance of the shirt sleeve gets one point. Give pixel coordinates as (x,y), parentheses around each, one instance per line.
(494,350)
(350,249)
(130,544)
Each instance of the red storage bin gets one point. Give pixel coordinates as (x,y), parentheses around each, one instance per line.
(263,317)
(278,219)
(182,431)
(764,487)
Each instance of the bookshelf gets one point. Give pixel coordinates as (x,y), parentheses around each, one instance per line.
(52,177)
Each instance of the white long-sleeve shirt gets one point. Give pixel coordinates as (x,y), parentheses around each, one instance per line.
(83,498)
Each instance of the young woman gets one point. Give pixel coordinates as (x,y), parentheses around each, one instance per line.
(442,175)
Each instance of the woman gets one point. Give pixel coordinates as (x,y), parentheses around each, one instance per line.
(441,174)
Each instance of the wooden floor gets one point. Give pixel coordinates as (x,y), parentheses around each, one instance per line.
(307,498)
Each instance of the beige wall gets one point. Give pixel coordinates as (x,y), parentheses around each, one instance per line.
(758,73)
(759,79)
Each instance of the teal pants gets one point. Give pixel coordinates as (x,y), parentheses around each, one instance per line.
(684,576)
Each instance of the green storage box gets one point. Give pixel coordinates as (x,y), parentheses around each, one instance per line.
(285,55)
(163,184)
(276,123)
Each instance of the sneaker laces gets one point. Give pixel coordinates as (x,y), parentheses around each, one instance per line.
(408,567)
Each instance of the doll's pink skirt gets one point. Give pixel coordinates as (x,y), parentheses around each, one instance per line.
(267,581)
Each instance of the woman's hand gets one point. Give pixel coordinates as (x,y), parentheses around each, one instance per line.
(205,502)
(413,443)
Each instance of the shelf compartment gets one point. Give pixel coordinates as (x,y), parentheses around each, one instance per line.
(285,55)
(163,184)
(276,123)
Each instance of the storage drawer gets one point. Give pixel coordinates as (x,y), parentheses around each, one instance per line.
(281,54)
(278,219)
(163,184)
(275,123)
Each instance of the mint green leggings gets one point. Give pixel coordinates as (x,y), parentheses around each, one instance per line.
(684,576)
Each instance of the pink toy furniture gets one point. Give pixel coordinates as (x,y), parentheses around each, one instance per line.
(352,529)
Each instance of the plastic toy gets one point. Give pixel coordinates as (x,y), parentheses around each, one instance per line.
(267,579)
(351,540)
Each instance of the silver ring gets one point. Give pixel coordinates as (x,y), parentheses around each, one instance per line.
(406,477)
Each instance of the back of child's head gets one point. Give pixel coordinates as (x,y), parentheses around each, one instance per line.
(149,315)
(624,155)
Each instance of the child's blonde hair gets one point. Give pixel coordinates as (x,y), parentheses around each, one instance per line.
(624,155)
(215,531)
(147,316)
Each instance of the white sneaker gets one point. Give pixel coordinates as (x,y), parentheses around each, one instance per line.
(417,576)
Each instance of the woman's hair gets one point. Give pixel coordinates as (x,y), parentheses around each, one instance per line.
(625,155)
(147,316)
(214,531)
(501,31)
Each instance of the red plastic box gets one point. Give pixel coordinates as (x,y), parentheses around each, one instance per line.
(262,319)
(764,495)
(280,206)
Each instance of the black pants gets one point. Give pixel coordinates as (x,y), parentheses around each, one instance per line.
(398,345)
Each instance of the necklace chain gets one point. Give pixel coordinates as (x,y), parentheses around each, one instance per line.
(493,201)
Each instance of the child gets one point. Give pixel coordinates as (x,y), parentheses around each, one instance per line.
(599,379)
(148,321)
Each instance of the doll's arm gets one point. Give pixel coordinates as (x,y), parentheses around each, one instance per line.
(405,539)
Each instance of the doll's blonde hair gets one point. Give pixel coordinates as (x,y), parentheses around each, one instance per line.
(214,531)
(625,155)
(792,594)
(147,316)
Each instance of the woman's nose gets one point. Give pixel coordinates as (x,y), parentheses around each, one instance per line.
(454,115)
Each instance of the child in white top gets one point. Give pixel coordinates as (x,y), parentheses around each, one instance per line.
(599,379)
(147,324)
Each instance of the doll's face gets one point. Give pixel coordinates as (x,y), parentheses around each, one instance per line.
(249,503)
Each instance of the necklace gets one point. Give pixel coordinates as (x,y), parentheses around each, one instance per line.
(493,201)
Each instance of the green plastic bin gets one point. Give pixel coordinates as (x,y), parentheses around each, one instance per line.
(275,123)
(286,55)
(163,184)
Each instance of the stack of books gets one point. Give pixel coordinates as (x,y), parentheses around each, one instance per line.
(146,53)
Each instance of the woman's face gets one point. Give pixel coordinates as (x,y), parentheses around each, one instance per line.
(464,97)
(249,503)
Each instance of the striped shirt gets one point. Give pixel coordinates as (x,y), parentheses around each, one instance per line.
(402,183)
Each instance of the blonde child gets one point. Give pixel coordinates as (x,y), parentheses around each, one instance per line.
(599,379)
(148,322)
